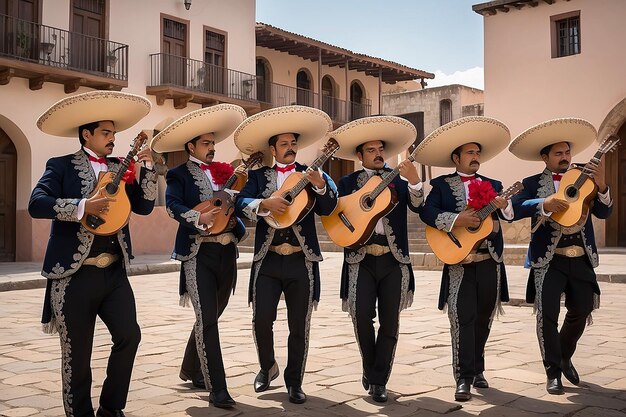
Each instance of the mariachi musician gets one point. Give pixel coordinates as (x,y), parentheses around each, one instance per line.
(285,260)
(561,259)
(87,273)
(209,261)
(474,287)
(379,272)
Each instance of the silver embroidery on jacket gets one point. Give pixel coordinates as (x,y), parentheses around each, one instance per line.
(455,274)
(57,300)
(391,240)
(201,181)
(445,220)
(458,191)
(309,254)
(149,185)
(66,209)
(309,311)
(539,276)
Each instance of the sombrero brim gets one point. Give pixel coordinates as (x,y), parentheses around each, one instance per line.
(396,132)
(435,150)
(309,123)
(578,132)
(65,116)
(221,120)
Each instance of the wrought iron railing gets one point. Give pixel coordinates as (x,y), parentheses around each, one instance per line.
(200,76)
(41,44)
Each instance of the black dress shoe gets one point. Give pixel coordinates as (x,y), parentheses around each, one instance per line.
(197,381)
(379,393)
(263,378)
(221,399)
(480,381)
(570,372)
(554,386)
(296,395)
(366,383)
(462,392)
(105,412)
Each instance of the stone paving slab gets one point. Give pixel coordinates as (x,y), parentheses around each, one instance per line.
(421,383)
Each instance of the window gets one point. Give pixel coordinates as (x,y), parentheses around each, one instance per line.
(565,34)
(445,112)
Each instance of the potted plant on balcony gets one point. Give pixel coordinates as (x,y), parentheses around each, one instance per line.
(24,44)
(111,59)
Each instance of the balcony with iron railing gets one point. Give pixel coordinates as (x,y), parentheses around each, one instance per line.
(47,54)
(187,80)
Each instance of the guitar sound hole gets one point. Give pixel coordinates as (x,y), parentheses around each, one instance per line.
(218,203)
(571,192)
(289,198)
(368,203)
(111,188)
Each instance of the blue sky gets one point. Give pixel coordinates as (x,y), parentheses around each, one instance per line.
(444,37)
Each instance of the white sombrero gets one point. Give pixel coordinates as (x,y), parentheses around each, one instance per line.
(579,133)
(435,150)
(310,124)
(396,132)
(221,120)
(65,116)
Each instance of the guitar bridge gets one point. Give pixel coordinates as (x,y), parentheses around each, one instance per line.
(346,222)
(94,221)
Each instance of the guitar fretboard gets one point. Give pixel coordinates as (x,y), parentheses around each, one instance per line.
(304,181)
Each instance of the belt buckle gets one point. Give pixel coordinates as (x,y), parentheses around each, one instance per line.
(375,250)
(103,260)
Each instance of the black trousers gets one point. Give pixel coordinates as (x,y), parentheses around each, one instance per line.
(286,274)
(379,283)
(576,278)
(470,312)
(77,301)
(214,276)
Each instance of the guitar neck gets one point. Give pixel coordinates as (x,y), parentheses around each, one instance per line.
(486,211)
(123,167)
(387,178)
(231,180)
(304,181)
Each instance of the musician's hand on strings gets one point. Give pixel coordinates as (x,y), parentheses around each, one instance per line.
(98,204)
(467,218)
(145,155)
(409,171)
(315,177)
(598,174)
(207,218)
(275,204)
(554,205)
(500,202)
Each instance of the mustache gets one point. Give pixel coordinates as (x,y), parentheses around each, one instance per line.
(379,158)
(211,153)
(111,144)
(475,163)
(564,162)
(289,152)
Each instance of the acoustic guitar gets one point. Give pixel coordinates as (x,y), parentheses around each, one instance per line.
(110,184)
(578,189)
(223,200)
(353,221)
(454,246)
(297,191)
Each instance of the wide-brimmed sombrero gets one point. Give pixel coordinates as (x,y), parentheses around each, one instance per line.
(578,132)
(435,150)
(221,120)
(65,116)
(397,133)
(310,124)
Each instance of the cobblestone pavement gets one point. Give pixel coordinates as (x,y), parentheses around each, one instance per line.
(421,382)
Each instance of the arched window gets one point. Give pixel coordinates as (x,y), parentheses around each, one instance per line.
(263,81)
(356,101)
(329,102)
(304,95)
(445,112)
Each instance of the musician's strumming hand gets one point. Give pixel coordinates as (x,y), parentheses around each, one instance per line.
(500,202)
(409,171)
(207,218)
(467,218)
(145,155)
(315,177)
(98,204)
(554,205)
(275,204)
(598,175)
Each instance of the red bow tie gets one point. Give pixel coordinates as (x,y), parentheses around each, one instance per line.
(98,160)
(556,177)
(204,167)
(287,168)
(468,178)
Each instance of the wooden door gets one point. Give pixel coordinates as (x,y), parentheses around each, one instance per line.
(337,168)
(615,230)
(8,178)
(215,77)
(87,44)
(19,32)
(174,48)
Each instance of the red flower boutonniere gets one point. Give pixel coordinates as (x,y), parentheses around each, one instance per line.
(129,175)
(392,185)
(481,193)
(220,172)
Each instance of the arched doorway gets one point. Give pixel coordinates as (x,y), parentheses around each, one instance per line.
(304,95)
(329,102)
(356,100)
(263,81)
(8,187)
